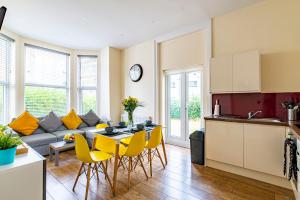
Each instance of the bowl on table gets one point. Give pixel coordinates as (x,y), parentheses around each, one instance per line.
(122,125)
(109,130)
(140,127)
(148,122)
(69,138)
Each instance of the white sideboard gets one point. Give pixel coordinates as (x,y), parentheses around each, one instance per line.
(25,178)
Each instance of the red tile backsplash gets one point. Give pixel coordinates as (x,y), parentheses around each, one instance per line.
(268,103)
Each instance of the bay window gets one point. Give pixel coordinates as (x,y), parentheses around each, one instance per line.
(46,81)
(87,83)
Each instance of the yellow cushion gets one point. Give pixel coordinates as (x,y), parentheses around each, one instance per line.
(25,124)
(71,120)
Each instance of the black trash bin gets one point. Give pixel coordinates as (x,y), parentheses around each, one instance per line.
(197,147)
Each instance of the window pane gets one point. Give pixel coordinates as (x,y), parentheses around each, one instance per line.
(175,105)
(3,58)
(194,101)
(45,67)
(1,104)
(5,66)
(39,101)
(88,100)
(88,71)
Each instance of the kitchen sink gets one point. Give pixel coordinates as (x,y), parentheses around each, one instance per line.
(265,119)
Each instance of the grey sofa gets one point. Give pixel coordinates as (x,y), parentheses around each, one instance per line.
(40,139)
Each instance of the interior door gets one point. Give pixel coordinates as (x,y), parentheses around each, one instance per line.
(184,100)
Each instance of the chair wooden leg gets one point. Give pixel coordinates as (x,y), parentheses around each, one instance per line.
(142,157)
(164,149)
(129,171)
(116,168)
(160,158)
(88,176)
(96,170)
(121,163)
(150,161)
(139,157)
(136,163)
(106,164)
(106,175)
(79,172)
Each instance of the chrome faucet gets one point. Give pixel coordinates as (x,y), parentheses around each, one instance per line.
(251,115)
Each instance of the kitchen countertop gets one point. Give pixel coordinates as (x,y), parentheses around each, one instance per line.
(291,124)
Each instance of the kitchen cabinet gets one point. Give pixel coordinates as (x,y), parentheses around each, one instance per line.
(240,72)
(224,142)
(221,74)
(263,148)
(246,72)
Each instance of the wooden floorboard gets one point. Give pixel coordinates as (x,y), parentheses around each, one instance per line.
(180,180)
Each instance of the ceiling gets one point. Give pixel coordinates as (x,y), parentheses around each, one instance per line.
(94,24)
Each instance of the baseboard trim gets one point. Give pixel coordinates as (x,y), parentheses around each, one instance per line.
(274,180)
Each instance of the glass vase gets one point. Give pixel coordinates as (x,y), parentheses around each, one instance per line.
(130,119)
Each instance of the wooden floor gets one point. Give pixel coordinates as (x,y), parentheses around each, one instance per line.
(180,180)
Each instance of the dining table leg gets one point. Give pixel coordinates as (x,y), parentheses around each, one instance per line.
(116,169)
(164,149)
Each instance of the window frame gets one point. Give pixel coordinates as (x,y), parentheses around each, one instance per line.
(85,88)
(6,83)
(66,86)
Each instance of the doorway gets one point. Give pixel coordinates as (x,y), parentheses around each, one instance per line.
(184,105)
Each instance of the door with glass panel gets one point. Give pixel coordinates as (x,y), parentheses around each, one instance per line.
(184,106)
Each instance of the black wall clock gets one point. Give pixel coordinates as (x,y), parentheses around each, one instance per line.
(136,72)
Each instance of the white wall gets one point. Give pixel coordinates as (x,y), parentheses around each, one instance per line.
(183,52)
(110,81)
(144,55)
(115,83)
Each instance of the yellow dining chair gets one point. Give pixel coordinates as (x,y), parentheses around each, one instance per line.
(134,150)
(88,158)
(152,144)
(126,141)
(100,126)
(108,145)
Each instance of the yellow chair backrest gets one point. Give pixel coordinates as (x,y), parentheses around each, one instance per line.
(82,149)
(100,126)
(105,144)
(155,138)
(136,144)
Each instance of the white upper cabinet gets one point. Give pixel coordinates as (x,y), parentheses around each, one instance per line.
(221,74)
(246,72)
(236,73)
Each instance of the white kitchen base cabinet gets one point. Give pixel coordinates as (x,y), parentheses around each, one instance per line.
(224,142)
(247,149)
(263,148)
